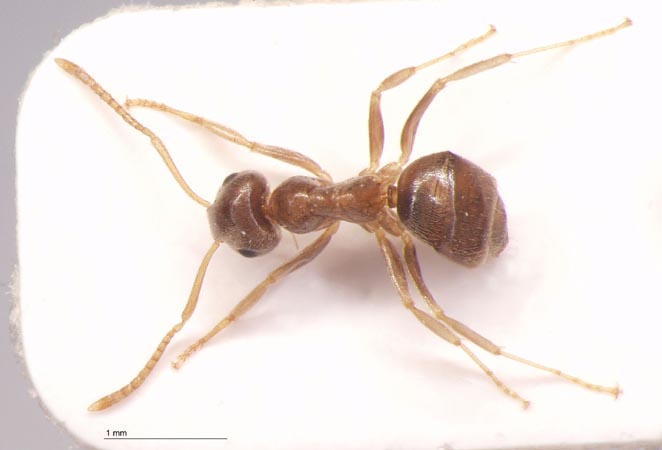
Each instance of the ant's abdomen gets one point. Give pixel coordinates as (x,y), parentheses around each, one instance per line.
(453,205)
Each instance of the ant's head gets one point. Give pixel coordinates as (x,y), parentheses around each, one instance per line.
(237,216)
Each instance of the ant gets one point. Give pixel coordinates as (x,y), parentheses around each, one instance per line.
(442,199)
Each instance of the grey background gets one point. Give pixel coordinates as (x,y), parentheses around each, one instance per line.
(27,30)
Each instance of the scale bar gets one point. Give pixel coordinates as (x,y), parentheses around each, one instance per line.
(166,438)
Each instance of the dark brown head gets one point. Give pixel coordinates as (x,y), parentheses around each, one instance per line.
(237,216)
(454,206)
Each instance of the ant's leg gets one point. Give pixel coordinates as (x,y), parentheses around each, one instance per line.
(227,133)
(396,272)
(135,383)
(414,270)
(302,258)
(409,130)
(86,79)
(375,121)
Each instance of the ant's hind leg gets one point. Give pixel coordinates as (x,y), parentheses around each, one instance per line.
(411,125)
(414,270)
(375,121)
(397,274)
(281,154)
(300,259)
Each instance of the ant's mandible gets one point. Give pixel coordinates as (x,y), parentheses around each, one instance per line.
(442,199)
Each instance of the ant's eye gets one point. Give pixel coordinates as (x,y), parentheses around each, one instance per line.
(248,253)
(229,178)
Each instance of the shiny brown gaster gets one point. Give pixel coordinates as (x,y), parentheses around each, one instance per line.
(442,199)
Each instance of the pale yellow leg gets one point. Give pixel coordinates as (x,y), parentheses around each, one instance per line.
(135,383)
(300,259)
(281,154)
(397,274)
(375,120)
(411,125)
(414,270)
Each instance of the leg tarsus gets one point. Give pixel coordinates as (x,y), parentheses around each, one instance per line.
(138,380)
(614,391)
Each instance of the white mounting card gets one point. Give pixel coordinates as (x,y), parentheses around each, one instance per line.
(109,244)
